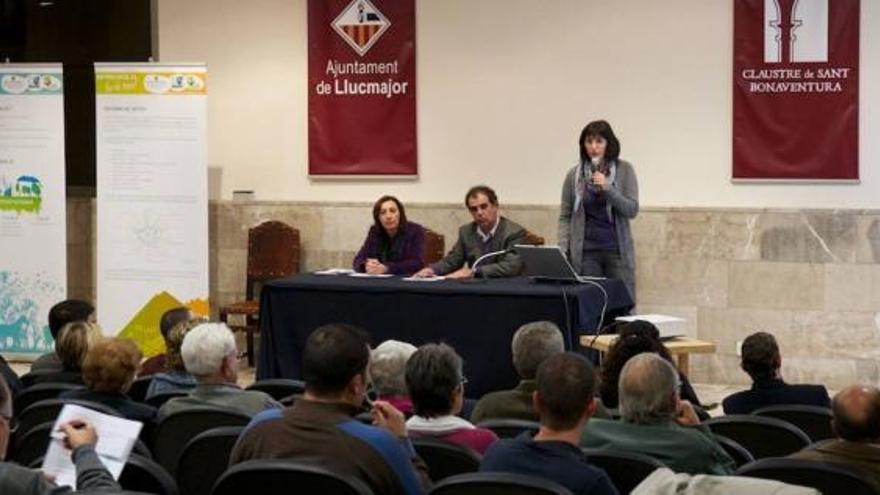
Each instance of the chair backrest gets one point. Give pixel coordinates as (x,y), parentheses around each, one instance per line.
(825,477)
(495,483)
(138,390)
(31,378)
(445,459)
(282,476)
(142,474)
(159,400)
(815,421)
(175,430)
(737,452)
(533,239)
(509,428)
(626,469)
(279,388)
(435,247)
(763,437)
(205,458)
(273,252)
(38,392)
(32,445)
(48,409)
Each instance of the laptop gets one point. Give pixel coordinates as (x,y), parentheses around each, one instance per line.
(548,264)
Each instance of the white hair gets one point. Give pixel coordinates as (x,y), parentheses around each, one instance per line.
(205,347)
(388,366)
(648,389)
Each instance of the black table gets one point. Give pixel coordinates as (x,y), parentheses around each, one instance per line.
(478,318)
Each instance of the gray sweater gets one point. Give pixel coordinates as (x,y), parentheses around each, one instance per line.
(467,250)
(91,476)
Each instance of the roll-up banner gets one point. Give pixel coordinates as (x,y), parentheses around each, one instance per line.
(796,90)
(151,133)
(362,88)
(33,234)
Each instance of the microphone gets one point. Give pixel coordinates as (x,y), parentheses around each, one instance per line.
(488,255)
(595,166)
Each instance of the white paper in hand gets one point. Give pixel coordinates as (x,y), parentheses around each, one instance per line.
(116,438)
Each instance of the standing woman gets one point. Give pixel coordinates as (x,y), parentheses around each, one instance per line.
(393,245)
(599,197)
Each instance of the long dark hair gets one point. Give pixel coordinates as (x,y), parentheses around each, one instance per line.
(633,338)
(378,207)
(603,129)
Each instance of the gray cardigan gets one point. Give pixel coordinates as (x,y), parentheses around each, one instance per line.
(467,250)
(623,204)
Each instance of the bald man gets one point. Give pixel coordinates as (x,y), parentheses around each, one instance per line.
(857,423)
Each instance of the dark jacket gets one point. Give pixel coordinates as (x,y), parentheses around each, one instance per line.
(407,250)
(862,457)
(128,408)
(91,477)
(774,393)
(467,249)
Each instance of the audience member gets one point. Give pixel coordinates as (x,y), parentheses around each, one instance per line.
(80,438)
(169,320)
(210,355)
(488,232)
(72,345)
(321,427)
(387,369)
(564,399)
(656,422)
(857,423)
(762,361)
(108,371)
(175,378)
(435,382)
(60,315)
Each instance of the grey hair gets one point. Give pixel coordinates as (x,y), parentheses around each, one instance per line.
(388,367)
(648,389)
(205,347)
(532,344)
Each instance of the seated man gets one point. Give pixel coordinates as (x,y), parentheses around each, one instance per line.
(656,422)
(762,361)
(487,233)
(857,423)
(564,399)
(60,315)
(169,320)
(210,355)
(321,427)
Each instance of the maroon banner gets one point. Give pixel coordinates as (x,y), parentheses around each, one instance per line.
(362,87)
(796,89)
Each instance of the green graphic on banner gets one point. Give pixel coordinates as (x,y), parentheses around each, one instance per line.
(22,195)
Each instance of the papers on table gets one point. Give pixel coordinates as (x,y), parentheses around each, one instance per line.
(370,275)
(116,437)
(424,279)
(335,271)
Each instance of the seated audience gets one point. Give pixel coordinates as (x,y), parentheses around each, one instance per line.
(857,423)
(321,427)
(72,345)
(532,344)
(108,371)
(436,387)
(664,481)
(656,422)
(60,315)
(762,361)
(634,338)
(210,355)
(564,399)
(170,318)
(175,378)
(393,245)
(387,369)
(79,436)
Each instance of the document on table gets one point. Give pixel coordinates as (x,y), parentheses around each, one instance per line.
(335,271)
(116,438)
(370,275)
(424,279)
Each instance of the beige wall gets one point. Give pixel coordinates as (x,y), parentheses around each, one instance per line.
(504,86)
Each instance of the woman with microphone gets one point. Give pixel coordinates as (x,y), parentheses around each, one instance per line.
(599,197)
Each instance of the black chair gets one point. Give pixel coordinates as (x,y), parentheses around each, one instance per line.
(495,483)
(815,421)
(445,459)
(279,388)
(737,452)
(283,476)
(176,430)
(509,428)
(763,437)
(159,400)
(38,392)
(138,390)
(288,401)
(47,410)
(142,474)
(825,477)
(626,469)
(205,458)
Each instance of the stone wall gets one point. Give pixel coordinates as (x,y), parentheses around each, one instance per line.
(810,277)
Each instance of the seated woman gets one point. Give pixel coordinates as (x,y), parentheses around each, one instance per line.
(175,378)
(108,371)
(393,244)
(436,387)
(387,369)
(74,341)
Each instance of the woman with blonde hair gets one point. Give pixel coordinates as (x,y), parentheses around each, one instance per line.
(175,378)
(74,341)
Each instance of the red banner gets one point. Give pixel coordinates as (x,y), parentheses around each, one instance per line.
(796,89)
(362,87)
